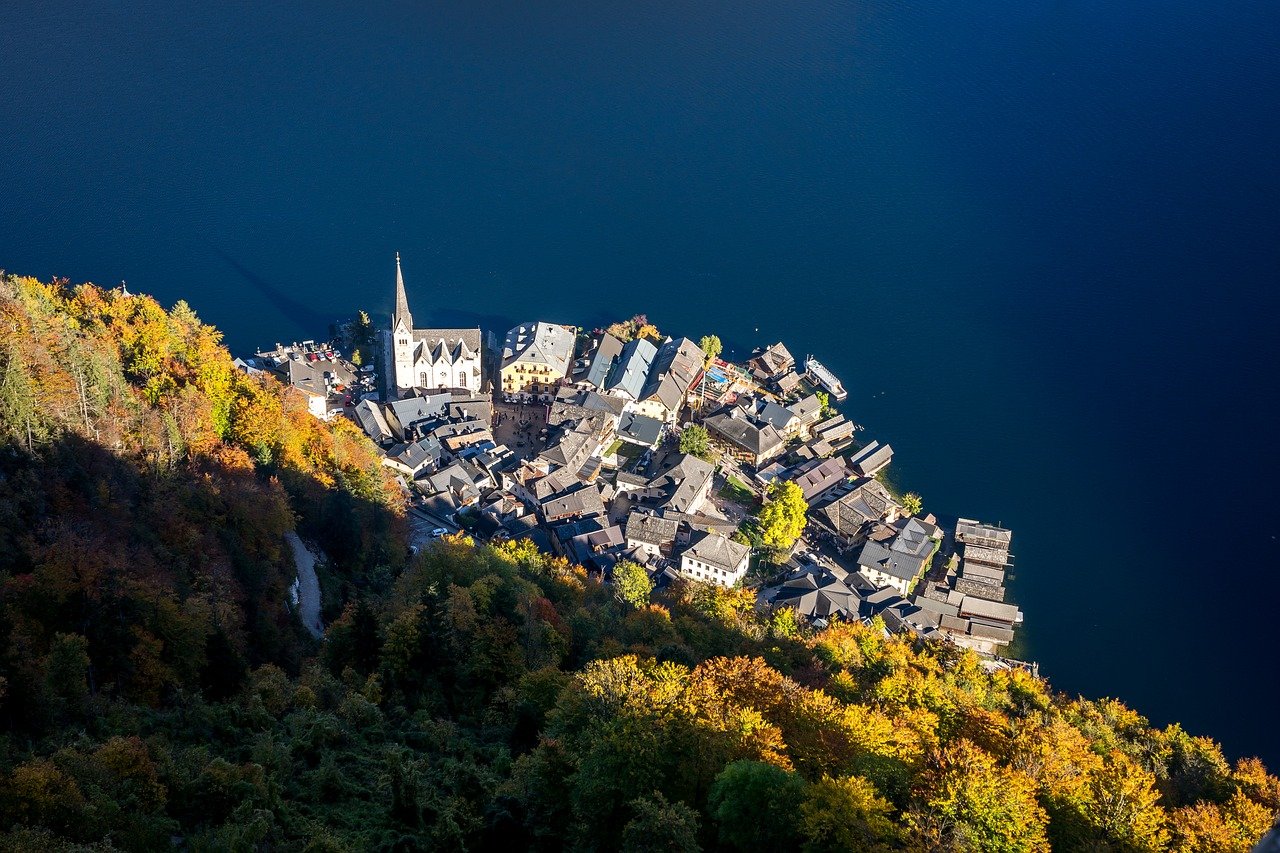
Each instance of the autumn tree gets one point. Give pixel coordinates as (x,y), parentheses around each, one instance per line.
(711,347)
(631,583)
(782,519)
(847,813)
(912,503)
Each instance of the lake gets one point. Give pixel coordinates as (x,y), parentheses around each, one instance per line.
(1039,242)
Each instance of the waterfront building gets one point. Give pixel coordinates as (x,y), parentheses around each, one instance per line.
(429,358)
(535,358)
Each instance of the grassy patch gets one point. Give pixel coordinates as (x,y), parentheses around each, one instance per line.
(613,448)
(735,490)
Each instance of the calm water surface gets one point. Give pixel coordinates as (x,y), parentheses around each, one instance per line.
(1038,241)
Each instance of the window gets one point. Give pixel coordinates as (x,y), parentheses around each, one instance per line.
(462,380)
(422,379)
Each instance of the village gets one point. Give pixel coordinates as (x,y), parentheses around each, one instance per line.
(622,444)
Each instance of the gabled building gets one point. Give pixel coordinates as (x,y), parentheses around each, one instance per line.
(772,362)
(631,370)
(411,411)
(640,429)
(684,484)
(747,440)
(601,361)
(536,357)
(652,534)
(676,369)
(429,358)
(374,423)
(818,477)
(712,558)
(871,459)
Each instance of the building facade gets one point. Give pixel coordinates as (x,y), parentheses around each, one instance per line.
(429,358)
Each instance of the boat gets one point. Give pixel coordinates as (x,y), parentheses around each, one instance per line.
(825,378)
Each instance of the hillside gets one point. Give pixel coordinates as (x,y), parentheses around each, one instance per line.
(157,691)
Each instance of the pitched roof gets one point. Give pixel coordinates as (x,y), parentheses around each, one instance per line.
(641,429)
(372,421)
(585,501)
(607,351)
(448,345)
(871,458)
(401,316)
(541,344)
(737,430)
(808,409)
(779,417)
(715,550)
(815,477)
(876,556)
(632,368)
(869,501)
(652,529)
(683,480)
(676,367)
(776,359)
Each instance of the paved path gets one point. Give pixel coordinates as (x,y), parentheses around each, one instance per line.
(306,589)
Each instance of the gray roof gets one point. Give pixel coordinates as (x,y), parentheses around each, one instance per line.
(737,430)
(871,458)
(991,535)
(540,344)
(873,555)
(869,501)
(808,409)
(584,501)
(632,368)
(818,595)
(652,529)
(607,351)
(995,611)
(779,417)
(715,550)
(372,421)
(410,410)
(676,367)
(640,429)
(683,480)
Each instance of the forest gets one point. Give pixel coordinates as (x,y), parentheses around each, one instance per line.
(158,692)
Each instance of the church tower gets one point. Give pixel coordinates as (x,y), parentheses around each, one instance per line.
(402,335)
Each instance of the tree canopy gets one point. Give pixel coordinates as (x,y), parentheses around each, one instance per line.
(155,685)
(784,516)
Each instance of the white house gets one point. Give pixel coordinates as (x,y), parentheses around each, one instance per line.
(430,358)
(714,559)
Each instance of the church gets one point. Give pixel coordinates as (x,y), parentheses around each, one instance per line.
(429,359)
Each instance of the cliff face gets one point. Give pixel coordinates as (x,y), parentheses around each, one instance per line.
(154,684)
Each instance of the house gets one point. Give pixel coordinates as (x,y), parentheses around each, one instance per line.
(535,358)
(640,429)
(817,595)
(819,476)
(712,558)
(574,404)
(631,370)
(601,361)
(652,534)
(429,358)
(675,370)
(807,413)
(584,502)
(413,458)
(777,416)
(871,459)
(835,431)
(900,562)
(772,362)
(748,441)
(463,480)
(374,423)
(850,516)
(684,484)
(408,412)
(787,383)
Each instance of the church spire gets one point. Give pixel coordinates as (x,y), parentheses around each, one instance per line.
(402,301)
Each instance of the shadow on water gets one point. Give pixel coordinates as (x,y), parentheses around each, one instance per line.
(303,315)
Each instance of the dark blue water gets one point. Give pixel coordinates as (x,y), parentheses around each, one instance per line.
(1039,241)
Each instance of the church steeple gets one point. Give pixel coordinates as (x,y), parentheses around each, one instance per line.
(402,314)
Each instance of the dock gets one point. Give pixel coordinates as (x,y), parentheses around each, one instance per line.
(825,378)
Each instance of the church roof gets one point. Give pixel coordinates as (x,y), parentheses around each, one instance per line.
(402,314)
